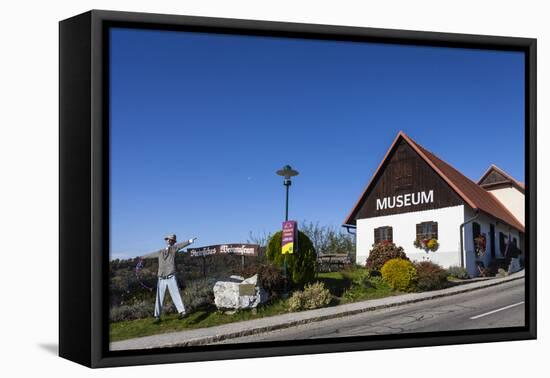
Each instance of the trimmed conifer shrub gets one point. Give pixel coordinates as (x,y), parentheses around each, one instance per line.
(301,265)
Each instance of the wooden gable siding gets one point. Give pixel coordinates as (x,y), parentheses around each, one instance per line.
(495,177)
(405,172)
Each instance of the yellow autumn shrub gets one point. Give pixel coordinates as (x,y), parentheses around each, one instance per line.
(399,274)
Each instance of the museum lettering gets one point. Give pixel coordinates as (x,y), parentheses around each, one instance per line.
(404,200)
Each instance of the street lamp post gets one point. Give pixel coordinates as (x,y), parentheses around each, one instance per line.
(287,172)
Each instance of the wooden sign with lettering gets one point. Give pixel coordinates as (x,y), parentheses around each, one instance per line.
(231,249)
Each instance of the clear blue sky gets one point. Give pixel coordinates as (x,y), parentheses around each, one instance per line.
(201,122)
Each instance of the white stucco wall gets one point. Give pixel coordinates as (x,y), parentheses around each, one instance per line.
(404,234)
(484,222)
(513,199)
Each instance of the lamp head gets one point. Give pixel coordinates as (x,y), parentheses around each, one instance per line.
(287,172)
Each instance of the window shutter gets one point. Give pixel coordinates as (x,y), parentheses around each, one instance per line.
(390,234)
(476,228)
(376,235)
(418,231)
(434,230)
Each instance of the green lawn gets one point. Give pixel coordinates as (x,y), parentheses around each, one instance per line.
(198,319)
(345,287)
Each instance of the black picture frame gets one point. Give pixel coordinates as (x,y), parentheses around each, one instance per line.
(84,189)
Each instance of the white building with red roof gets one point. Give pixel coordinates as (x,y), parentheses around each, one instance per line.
(417,201)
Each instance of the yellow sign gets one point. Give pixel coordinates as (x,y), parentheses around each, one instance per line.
(288,248)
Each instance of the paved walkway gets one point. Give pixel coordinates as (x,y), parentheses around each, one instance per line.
(250,327)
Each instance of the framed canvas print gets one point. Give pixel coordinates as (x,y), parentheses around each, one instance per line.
(235,188)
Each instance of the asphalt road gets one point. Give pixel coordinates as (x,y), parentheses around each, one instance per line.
(493,307)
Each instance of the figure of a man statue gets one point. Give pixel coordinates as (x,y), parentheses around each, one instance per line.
(167,274)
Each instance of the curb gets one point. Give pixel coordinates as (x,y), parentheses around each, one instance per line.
(262,329)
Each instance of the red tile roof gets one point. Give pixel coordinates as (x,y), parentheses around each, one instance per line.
(473,195)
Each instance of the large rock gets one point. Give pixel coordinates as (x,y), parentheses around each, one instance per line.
(238,294)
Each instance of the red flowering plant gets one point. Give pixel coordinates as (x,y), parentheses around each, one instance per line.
(480,245)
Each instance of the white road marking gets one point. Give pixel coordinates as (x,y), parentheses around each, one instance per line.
(497,310)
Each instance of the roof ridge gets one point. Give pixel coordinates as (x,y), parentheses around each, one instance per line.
(503,207)
(441,173)
(471,181)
